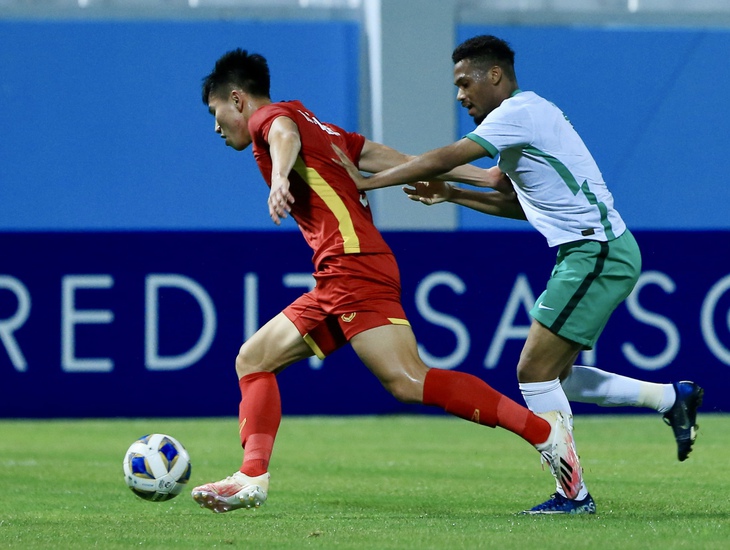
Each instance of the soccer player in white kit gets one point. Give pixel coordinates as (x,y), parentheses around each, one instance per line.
(557,186)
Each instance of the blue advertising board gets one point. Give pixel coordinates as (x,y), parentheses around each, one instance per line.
(145,323)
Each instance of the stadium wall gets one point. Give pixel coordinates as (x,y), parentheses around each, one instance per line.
(121,214)
(104,127)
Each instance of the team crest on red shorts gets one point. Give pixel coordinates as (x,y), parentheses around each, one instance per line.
(347,317)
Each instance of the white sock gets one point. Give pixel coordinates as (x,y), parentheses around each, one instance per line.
(547,396)
(592,385)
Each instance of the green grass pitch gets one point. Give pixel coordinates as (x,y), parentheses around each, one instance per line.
(401,482)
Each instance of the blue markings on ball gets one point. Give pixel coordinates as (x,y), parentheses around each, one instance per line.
(169,451)
(140,467)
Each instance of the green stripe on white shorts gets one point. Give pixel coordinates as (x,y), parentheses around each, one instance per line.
(589,280)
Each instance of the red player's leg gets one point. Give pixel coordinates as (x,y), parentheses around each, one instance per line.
(469,397)
(275,346)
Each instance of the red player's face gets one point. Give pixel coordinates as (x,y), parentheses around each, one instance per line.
(231,120)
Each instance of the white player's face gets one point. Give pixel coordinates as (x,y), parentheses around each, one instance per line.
(477,92)
(231,121)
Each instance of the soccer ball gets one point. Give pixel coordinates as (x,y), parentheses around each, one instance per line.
(156,467)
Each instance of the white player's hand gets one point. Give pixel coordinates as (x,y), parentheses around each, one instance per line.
(429,192)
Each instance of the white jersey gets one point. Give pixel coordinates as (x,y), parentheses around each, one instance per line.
(554,175)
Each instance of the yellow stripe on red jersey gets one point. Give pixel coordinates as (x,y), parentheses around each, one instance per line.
(351,242)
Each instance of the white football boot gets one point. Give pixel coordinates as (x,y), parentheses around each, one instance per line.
(236,491)
(560,453)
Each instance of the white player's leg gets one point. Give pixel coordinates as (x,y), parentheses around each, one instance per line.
(678,402)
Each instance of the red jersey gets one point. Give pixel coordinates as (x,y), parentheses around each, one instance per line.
(333,215)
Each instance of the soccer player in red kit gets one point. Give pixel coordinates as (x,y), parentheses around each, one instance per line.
(356,299)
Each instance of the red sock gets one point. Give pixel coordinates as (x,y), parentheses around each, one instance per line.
(471,398)
(259,415)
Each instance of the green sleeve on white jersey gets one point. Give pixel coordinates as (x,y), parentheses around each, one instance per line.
(488,147)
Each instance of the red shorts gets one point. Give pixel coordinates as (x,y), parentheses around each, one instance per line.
(354,293)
